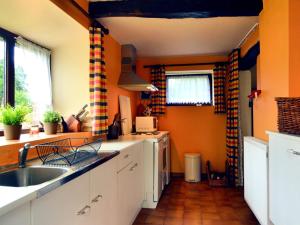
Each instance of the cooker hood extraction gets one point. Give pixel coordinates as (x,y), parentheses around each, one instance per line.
(128,78)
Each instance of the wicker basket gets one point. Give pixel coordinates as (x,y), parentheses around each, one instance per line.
(288,115)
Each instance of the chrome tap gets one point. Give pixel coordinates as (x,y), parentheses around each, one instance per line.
(23,155)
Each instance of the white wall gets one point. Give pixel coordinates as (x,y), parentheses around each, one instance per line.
(70,73)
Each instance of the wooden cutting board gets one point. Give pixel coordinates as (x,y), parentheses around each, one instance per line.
(126,117)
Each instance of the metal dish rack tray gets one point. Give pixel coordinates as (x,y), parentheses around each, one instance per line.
(67,152)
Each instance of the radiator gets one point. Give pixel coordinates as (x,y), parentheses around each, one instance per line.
(256,177)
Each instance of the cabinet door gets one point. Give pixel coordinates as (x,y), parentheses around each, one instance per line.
(125,196)
(104,194)
(131,187)
(284,181)
(138,172)
(18,216)
(66,205)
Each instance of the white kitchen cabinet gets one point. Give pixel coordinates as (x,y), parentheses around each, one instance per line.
(110,194)
(18,216)
(131,187)
(138,177)
(103,194)
(284,182)
(125,196)
(66,205)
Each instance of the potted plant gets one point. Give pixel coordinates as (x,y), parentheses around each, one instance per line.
(50,121)
(12,119)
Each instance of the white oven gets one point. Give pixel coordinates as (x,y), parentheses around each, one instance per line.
(157,168)
(161,166)
(159,176)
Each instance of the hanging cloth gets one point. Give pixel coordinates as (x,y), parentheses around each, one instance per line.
(232,124)
(220,72)
(98,91)
(158,98)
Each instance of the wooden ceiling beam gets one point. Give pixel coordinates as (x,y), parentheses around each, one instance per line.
(175,8)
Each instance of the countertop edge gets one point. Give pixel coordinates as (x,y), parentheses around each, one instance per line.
(39,192)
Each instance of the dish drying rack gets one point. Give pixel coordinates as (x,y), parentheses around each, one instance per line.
(66,153)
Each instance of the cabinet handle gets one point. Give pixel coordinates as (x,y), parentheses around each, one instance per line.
(96,199)
(294,152)
(132,168)
(84,210)
(126,156)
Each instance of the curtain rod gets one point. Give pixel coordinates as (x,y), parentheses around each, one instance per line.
(15,36)
(187,64)
(247,35)
(93,21)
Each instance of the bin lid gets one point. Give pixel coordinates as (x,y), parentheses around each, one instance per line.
(192,155)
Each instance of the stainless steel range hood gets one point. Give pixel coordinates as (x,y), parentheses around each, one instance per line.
(128,78)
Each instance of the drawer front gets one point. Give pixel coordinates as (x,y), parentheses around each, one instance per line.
(133,154)
(125,157)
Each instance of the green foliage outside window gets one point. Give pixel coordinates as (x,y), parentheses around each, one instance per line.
(21,89)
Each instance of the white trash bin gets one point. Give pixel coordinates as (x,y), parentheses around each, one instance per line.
(192,167)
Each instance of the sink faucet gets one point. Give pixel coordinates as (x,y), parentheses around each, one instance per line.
(23,155)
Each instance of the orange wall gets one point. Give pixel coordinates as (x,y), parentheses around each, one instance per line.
(294,46)
(193,129)
(274,65)
(278,64)
(113,69)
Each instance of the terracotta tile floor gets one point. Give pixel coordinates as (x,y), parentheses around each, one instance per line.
(197,204)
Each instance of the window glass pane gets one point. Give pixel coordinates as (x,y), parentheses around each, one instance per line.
(32,78)
(188,89)
(21,82)
(2,70)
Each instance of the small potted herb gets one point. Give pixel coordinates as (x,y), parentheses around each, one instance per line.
(12,119)
(50,121)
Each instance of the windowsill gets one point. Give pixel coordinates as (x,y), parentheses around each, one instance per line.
(27,138)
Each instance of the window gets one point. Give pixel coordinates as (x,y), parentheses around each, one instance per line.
(25,77)
(189,88)
(32,83)
(2,62)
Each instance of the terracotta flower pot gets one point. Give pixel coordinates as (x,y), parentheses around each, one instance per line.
(50,128)
(12,132)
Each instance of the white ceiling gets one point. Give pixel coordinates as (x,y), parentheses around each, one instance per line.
(40,21)
(170,37)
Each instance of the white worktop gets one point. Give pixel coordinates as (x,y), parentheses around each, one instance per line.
(126,141)
(12,197)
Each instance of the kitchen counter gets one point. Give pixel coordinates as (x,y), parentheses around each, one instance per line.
(12,197)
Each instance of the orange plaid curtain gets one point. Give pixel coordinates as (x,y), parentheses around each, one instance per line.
(220,72)
(158,98)
(98,91)
(232,130)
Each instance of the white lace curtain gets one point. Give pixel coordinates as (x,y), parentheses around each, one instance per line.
(188,89)
(35,62)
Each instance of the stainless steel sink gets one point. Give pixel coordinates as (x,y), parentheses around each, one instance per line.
(29,176)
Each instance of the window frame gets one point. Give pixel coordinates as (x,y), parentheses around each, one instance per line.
(9,69)
(193,74)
